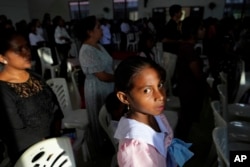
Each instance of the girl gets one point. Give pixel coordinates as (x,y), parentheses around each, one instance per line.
(145,137)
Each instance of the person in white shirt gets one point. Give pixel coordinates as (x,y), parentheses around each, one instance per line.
(106,35)
(125,29)
(34,37)
(63,43)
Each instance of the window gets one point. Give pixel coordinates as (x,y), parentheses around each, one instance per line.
(125,9)
(79,9)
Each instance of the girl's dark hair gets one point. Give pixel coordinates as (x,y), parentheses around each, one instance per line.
(130,67)
(83,26)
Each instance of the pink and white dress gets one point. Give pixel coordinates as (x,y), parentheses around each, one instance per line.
(142,146)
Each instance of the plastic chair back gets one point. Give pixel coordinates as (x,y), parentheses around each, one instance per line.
(60,88)
(45,56)
(74,79)
(222,89)
(220,141)
(50,152)
(105,119)
(218,120)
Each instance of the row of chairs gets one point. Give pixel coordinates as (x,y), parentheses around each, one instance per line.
(47,63)
(232,122)
(132,40)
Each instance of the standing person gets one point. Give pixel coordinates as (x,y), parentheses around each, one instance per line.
(97,65)
(106,35)
(190,77)
(48,29)
(145,136)
(124,29)
(146,45)
(63,43)
(172,30)
(29,109)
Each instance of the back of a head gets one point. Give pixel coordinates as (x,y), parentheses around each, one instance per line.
(130,67)
(174,9)
(190,26)
(82,27)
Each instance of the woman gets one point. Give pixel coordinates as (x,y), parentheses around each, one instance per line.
(29,109)
(97,65)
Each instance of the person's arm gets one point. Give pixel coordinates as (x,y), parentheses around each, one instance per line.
(91,64)
(103,76)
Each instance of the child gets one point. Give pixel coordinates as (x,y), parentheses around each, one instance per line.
(145,137)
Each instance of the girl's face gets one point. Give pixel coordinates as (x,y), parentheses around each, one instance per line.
(18,56)
(148,95)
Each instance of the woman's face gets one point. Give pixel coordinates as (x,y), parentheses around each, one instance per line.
(18,56)
(148,93)
(97,31)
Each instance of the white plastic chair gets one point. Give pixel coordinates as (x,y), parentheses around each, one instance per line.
(105,121)
(234,111)
(220,141)
(218,120)
(77,119)
(45,56)
(132,41)
(77,97)
(237,130)
(49,152)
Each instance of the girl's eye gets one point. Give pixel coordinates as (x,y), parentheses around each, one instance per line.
(146,90)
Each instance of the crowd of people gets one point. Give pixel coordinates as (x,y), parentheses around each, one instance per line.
(30,111)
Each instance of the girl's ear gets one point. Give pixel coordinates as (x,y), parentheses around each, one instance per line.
(122,97)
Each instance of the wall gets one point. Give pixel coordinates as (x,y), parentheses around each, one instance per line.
(217,12)
(29,9)
(15,10)
(37,8)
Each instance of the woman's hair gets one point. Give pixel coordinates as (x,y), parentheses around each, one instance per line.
(5,41)
(83,26)
(130,67)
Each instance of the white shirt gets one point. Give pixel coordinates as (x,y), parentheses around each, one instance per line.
(34,38)
(106,35)
(61,32)
(125,28)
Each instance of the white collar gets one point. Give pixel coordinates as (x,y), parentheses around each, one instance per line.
(132,129)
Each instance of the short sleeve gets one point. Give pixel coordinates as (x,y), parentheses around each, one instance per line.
(135,153)
(90,61)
